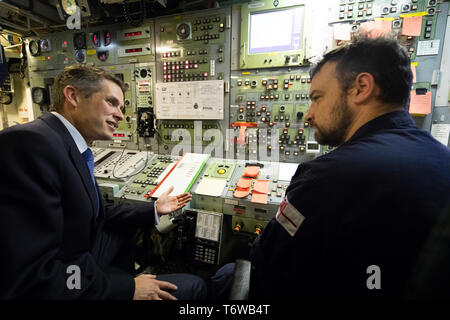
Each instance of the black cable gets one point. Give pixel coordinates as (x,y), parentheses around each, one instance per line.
(132,175)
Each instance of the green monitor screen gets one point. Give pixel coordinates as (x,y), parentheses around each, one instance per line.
(284,35)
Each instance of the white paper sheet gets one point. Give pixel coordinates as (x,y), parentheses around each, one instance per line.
(428,48)
(182,175)
(441,132)
(286,171)
(211,187)
(208,226)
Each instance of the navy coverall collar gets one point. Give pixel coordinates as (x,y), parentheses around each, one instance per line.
(391,120)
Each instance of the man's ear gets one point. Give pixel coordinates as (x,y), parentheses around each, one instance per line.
(363,88)
(71,94)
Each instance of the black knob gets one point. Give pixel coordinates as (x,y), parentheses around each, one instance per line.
(299,115)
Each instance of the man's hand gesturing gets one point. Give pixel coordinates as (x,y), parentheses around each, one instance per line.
(167,204)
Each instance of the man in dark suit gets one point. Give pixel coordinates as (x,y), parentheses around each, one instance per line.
(58,239)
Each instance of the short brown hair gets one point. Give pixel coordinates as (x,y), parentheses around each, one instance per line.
(86,79)
(384,58)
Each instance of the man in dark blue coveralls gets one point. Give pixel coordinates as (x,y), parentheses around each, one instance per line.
(354,220)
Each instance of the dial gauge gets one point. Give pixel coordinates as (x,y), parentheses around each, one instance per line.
(34,47)
(39,95)
(69,6)
(184,31)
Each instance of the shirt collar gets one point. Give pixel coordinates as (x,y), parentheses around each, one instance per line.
(76,135)
(391,120)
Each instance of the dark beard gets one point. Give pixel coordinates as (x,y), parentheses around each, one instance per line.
(335,135)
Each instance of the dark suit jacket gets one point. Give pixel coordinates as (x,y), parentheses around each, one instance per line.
(47,219)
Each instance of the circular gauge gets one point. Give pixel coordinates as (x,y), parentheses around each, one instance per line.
(69,6)
(184,31)
(34,47)
(80,56)
(45,45)
(143,73)
(39,95)
(96,39)
(79,41)
(106,38)
(396,24)
(103,55)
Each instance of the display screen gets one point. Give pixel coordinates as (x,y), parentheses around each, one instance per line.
(276,31)
(133,34)
(119,135)
(104,158)
(313,146)
(133,50)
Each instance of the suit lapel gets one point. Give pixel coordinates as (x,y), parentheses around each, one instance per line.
(83,171)
(74,153)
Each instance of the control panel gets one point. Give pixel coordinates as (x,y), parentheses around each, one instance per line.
(391,16)
(268,115)
(120,164)
(255,191)
(194,46)
(210,188)
(140,187)
(192,50)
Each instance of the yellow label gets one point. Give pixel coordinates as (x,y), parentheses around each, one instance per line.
(246,72)
(41,58)
(91,52)
(111,67)
(415,64)
(414,14)
(384,19)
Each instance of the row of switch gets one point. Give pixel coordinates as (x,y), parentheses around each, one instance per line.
(177,70)
(187,80)
(207,37)
(193,53)
(360,14)
(287,137)
(350,7)
(273,84)
(187,126)
(189,77)
(171,54)
(182,64)
(301,149)
(206,20)
(298,96)
(209,27)
(188,53)
(239,225)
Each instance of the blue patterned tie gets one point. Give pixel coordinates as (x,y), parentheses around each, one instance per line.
(89,158)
